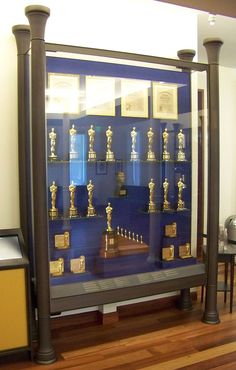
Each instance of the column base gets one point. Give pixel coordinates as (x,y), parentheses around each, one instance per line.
(211,317)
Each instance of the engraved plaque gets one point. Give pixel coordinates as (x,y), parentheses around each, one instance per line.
(57,267)
(171,230)
(168,253)
(62,241)
(185,251)
(77,265)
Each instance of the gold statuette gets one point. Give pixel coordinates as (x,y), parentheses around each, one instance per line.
(166,154)
(91,152)
(181,187)
(166,203)
(150,155)
(181,145)
(152,206)
(134,155)
(77,265)
(53,211)
(73,212)
(91,210)
(57,267)
(109,154)
(62,241)
(73,136)
(109,246)
(171,230)
(185,251)
(168,253)
(53,138)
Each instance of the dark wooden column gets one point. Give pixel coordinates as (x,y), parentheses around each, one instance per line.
(22,36)
(213,46)
(185,302)
(37,16)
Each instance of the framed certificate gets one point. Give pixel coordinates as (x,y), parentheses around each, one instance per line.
(134,98)
(165,101)
(100,96)
(63,93)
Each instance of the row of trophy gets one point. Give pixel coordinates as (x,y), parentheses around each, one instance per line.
(110,157)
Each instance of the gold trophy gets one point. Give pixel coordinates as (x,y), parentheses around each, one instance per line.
(73,135)
(166,203)
(181,203)
(151,206)
(91,209)
(73,212)
(150,155)
(53,211)
(77,265)
(181,145)
(168,253)
(166,154)
(109,154)
(109,238)
(91,152)
(57,267)
(53,138)
(134,155)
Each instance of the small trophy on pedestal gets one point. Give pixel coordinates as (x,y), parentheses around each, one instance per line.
(166,203)
(134,155)
(109,238)
(73,212)
(73,135)
(91,210)
(152,208)
(109,154)
(53,139)
(181,186)
(91,152)
(53,211)
(181,145)
(150,155)
(165,154)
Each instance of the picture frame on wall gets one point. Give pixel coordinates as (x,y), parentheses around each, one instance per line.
(100,96)
(165,100)
(63,93)
(134,98)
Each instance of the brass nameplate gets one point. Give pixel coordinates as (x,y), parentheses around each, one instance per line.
(185,251)
(168,253)
(171,230)
(77,265)
(62,241)
(57,267)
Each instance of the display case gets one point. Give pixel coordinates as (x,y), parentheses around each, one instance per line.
(122,177)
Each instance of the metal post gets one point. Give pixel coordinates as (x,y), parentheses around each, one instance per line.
(37,16)
(211,315)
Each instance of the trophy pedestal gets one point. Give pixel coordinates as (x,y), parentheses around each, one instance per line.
(181,205)
(109,247)
(73,212)
(110,156)
(52,157)
(152,208)
(166,156)
(151,156)
(181,156)
(73,155)
(134,156)
(92,156)
(166,206)
(53,212)
(91,211)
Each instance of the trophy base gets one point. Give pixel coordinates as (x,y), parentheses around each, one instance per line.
(134,156)
(91,156)
(73,155)
(166,206)
(110,157)
(53,212)
(181,206)
(52,157)
(91,212)
(181,156)
(109,247)
(151,157)
(73,212)
(152,208)
(166,156)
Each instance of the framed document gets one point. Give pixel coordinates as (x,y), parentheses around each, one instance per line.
(100,96)
(134,98)
(165,100)
(63,93)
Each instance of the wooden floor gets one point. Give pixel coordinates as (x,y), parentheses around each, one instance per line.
(161,339)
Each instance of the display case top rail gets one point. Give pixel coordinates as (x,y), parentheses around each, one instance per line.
(124,55)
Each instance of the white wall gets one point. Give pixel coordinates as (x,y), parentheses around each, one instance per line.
(140,26)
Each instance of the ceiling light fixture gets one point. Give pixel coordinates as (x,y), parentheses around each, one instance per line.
(212,19)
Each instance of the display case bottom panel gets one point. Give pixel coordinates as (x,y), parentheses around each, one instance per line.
(71,296)
(179,262)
